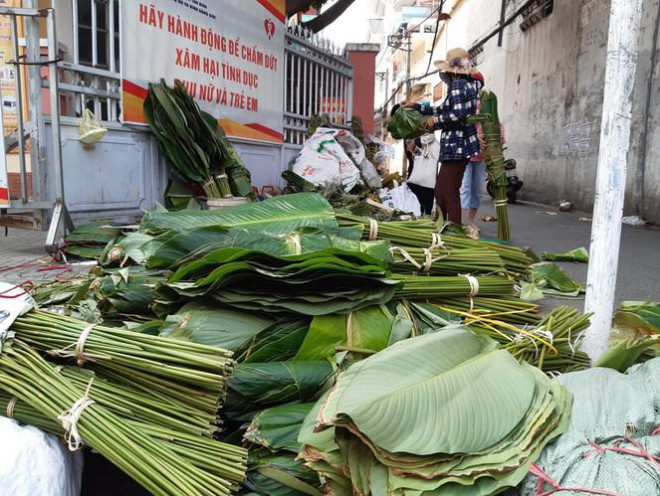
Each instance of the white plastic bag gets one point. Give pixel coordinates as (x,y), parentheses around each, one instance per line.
(323,161)
(355,149)
(90,130)
(402,199)
(425,168)
(35,463)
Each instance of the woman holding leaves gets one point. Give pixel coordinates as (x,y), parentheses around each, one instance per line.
(459,140)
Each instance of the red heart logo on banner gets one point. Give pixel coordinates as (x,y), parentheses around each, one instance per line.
(270,28)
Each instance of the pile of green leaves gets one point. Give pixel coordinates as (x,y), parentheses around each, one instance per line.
(636,335)
(194,143)
(444,413)
(316,283)
(279,215)
(91,240)
(407,123)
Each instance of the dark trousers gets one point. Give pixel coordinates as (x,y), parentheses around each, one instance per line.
(425,197)
(448,189)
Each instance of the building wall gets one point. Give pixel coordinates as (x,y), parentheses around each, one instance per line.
(364,75)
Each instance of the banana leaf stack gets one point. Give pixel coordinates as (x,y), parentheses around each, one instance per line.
(274,468)
(194,143)
(444,413)
(316,283)
(494,158)
(279,215)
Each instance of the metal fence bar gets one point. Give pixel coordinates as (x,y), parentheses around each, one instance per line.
(74,30)
(318,79)
(18,79)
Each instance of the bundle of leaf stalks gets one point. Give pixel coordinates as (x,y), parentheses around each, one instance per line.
(215,457)
(366,437)
(194,143)
(194,374)
(494,158)
(446,262)
(165,462)
(553,345)
(425,234)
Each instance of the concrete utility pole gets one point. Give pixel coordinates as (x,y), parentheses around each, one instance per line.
(611,178)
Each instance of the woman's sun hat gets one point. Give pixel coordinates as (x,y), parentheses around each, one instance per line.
(457,62)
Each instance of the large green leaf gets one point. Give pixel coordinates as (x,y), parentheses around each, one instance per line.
(414,397)
(364,331)
(551,275)
(277,428)
(277,343)
(200,323)
(279,215)
(255,386)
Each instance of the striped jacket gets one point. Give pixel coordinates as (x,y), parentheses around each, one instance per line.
(459,141)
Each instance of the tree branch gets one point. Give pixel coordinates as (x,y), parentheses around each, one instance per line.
(328,17)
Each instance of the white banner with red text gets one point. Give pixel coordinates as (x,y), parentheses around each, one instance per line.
(228,53)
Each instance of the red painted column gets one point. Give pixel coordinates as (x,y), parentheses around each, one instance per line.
(363,58)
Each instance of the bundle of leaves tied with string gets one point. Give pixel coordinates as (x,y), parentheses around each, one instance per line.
(160,459)
(194,143)
(194,374)
(494,158)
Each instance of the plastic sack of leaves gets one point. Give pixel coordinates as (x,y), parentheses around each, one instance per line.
(407,123)
(90,130)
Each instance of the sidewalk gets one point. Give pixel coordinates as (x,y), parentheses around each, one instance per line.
(531,225)
(23,258)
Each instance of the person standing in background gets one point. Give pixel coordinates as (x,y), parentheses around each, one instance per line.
(474,178)
(422,177)
(459,142)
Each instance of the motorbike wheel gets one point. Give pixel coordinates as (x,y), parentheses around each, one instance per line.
(512,196)
(491,189)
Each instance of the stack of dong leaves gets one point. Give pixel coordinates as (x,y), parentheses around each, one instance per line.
(444,414)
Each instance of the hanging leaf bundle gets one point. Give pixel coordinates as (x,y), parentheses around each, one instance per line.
(377,430)
(192,141)
(408,123)
(494,158)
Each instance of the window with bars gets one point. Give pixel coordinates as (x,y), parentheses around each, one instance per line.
(98,27)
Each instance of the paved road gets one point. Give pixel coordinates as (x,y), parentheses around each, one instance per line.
(639,262)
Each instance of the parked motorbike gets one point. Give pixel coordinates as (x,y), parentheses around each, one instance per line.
(513,182)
